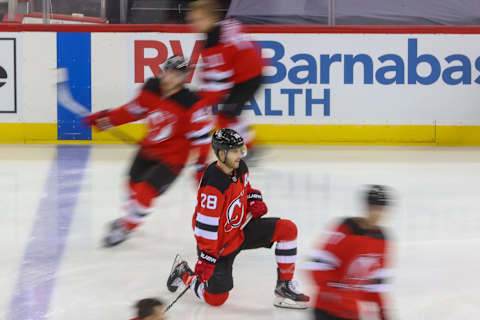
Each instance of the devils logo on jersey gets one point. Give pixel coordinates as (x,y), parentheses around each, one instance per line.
(363,266)
(235,213)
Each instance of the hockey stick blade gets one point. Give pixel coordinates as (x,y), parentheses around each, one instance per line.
(65,97)
(67,101)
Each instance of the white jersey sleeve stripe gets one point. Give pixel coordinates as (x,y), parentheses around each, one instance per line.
(217,75)
(215,86)
(206,234)
(213,221)
(317,266)
(326,257)
(382,287)
(384,273)
(203,141)
(198,133)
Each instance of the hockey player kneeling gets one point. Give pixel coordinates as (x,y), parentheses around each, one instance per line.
(224,199)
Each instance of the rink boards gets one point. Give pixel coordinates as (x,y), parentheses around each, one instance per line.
(322,86)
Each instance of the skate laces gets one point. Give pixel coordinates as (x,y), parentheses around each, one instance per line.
(292,285)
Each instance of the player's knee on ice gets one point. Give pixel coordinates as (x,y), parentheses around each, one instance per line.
(215,299)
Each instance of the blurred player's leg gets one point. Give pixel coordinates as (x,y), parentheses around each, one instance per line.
(229,116)
(148,179)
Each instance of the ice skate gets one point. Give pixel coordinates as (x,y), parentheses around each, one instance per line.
(117,234)
(288,296)
(179,268)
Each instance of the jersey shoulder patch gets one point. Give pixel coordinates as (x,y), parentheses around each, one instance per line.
(214,177)
(185,98)
(152,85)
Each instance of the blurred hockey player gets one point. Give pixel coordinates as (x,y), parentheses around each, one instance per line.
(176,118)
(224,199)
(351,267)
(232,70)
(150,309)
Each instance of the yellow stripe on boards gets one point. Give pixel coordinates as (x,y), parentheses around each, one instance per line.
(28,132)
(345,134)
(272,134)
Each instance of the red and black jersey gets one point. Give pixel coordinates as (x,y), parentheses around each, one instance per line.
(173,122)
(230,58)
(221,210)
(350,267)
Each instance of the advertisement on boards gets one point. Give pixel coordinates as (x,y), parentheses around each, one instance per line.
(8,75)
(341,78)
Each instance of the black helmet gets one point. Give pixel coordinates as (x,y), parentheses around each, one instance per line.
(176,63)
(226,139)
(377,195)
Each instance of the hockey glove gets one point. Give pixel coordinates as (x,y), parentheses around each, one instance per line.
(255,204)
(98,119)
(205,266)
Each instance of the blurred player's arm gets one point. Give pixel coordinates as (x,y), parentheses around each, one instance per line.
(378,289)
(200,124)
(135,110)
(324,263)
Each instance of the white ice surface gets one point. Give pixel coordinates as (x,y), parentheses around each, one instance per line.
(435,224)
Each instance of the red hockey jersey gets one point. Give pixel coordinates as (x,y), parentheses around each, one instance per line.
(350,267)
(173,122)
(230,58)
(221,210)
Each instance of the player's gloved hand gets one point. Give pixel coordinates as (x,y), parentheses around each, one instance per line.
(98,119)
(255,204)
(205,266)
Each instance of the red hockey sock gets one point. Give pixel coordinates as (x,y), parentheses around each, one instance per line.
(141,198)
(286,249)
(215,299)
(144,193)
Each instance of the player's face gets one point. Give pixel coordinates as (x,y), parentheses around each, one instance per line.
(201,21)
(171,79)
(158,313)
(376,214)
(233,157)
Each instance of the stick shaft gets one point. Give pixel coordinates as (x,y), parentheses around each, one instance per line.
(178,297)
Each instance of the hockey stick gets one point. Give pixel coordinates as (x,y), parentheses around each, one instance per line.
(67,101)
(249,217)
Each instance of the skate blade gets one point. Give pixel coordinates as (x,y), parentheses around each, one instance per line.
(108,242)
(174,286)
(287,303)
(176,261)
